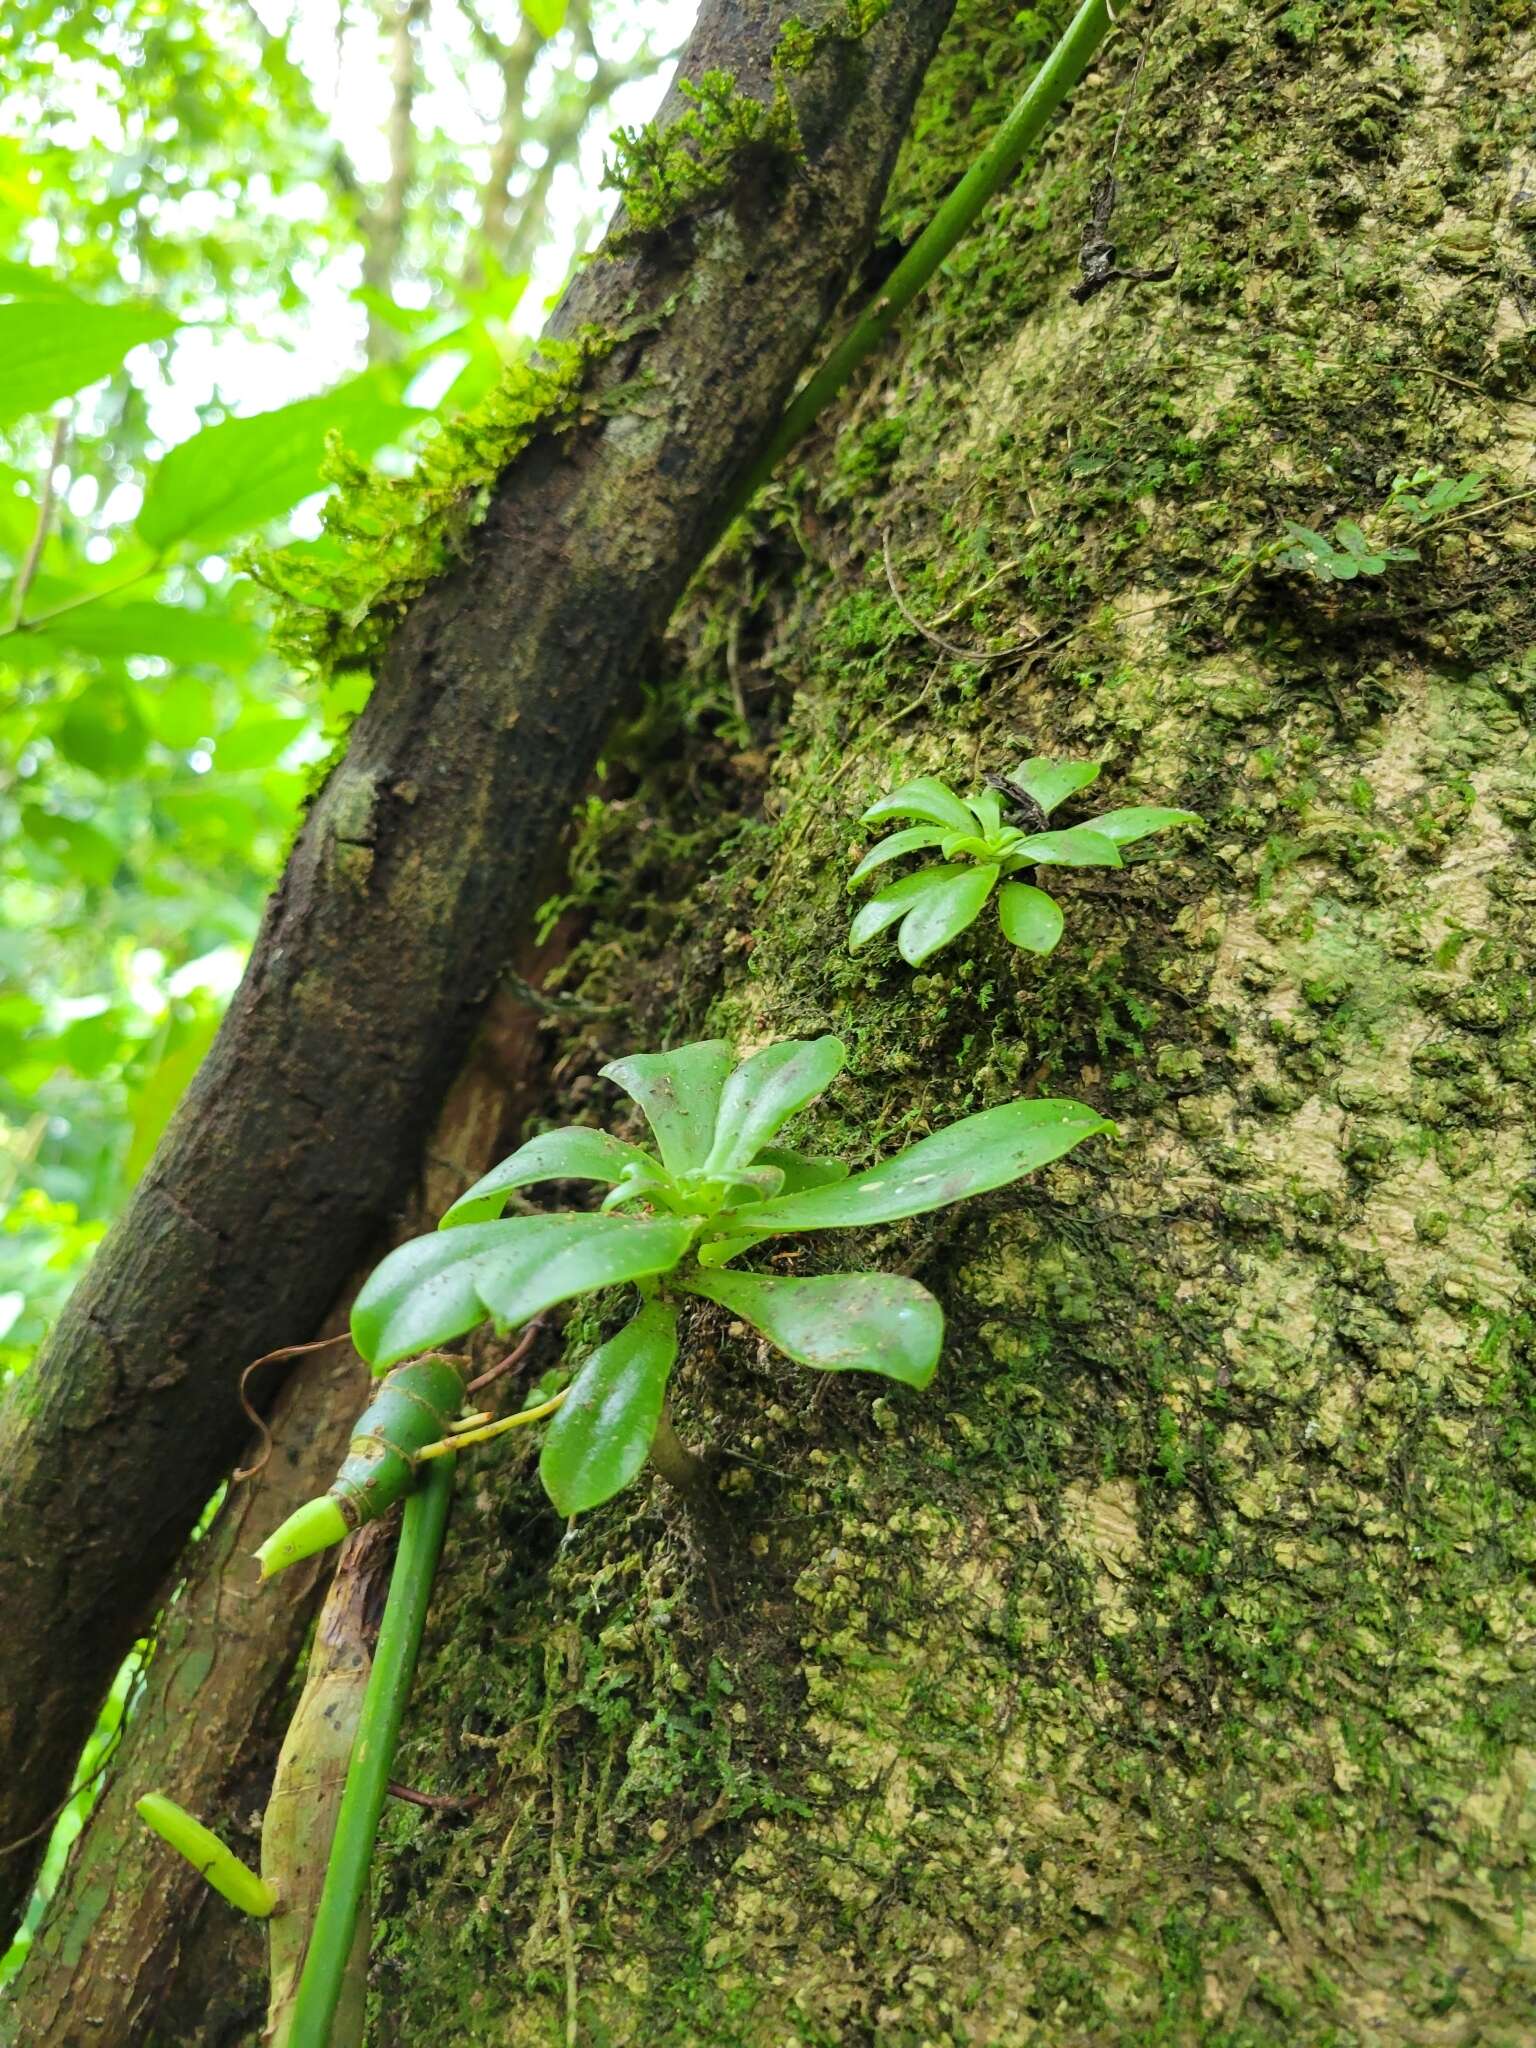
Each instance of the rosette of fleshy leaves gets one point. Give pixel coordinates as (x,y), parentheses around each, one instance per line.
(676,1215)
(981,849)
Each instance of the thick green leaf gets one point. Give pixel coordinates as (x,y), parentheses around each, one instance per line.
(50,347)
(842,1322)
(943,914)
(602,1434)
(1076,847)
(1127,826)
(765,1091)
(1052,782)
(572,1153)
(1029,917)
(435,1288)
(801,1171)
(680,1094)
(926,798)
(980,1152)
(914,840)
(591,1252)
(895,901)
(234,477)
(423,1294)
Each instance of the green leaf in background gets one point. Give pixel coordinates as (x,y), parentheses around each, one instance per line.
(571,1153)
(1029,917)
(841,1322)
(236,476)
(765,1091)
(980,1152)
(546,16)
(51,347)
(24,281)
(179,633)
(76,846)
(168,1081)
(602,1434)
(680,1094)
(101,730)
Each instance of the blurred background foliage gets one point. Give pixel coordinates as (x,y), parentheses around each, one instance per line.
(225,230)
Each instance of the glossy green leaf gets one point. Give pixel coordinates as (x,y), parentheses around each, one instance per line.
(435,1288)
(601,1436)
(980,1152)
(1137,821)
(895,901)
(926,798)
(914,840)
(943,914)
(1052,782)
(236,476)
(571,1153)
(1075,847)
(765,1091)
(51,347)
(841,1322)
(589,1253)
(987,807)
(680,1094)
(1029,917)
(801,1171)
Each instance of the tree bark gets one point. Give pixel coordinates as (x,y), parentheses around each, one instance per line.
(132,1937)
(406,887)
(1164,1672)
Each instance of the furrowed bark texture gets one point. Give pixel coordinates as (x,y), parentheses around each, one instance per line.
(406,887)
(1164,1673)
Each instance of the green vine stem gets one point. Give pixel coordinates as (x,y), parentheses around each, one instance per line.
(362,1802)
(1002,157)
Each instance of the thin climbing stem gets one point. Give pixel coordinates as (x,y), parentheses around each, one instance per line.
(368,1776)
(1023,127)
(46,497)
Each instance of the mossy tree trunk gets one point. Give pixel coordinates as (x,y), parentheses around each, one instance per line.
(1165,1673)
